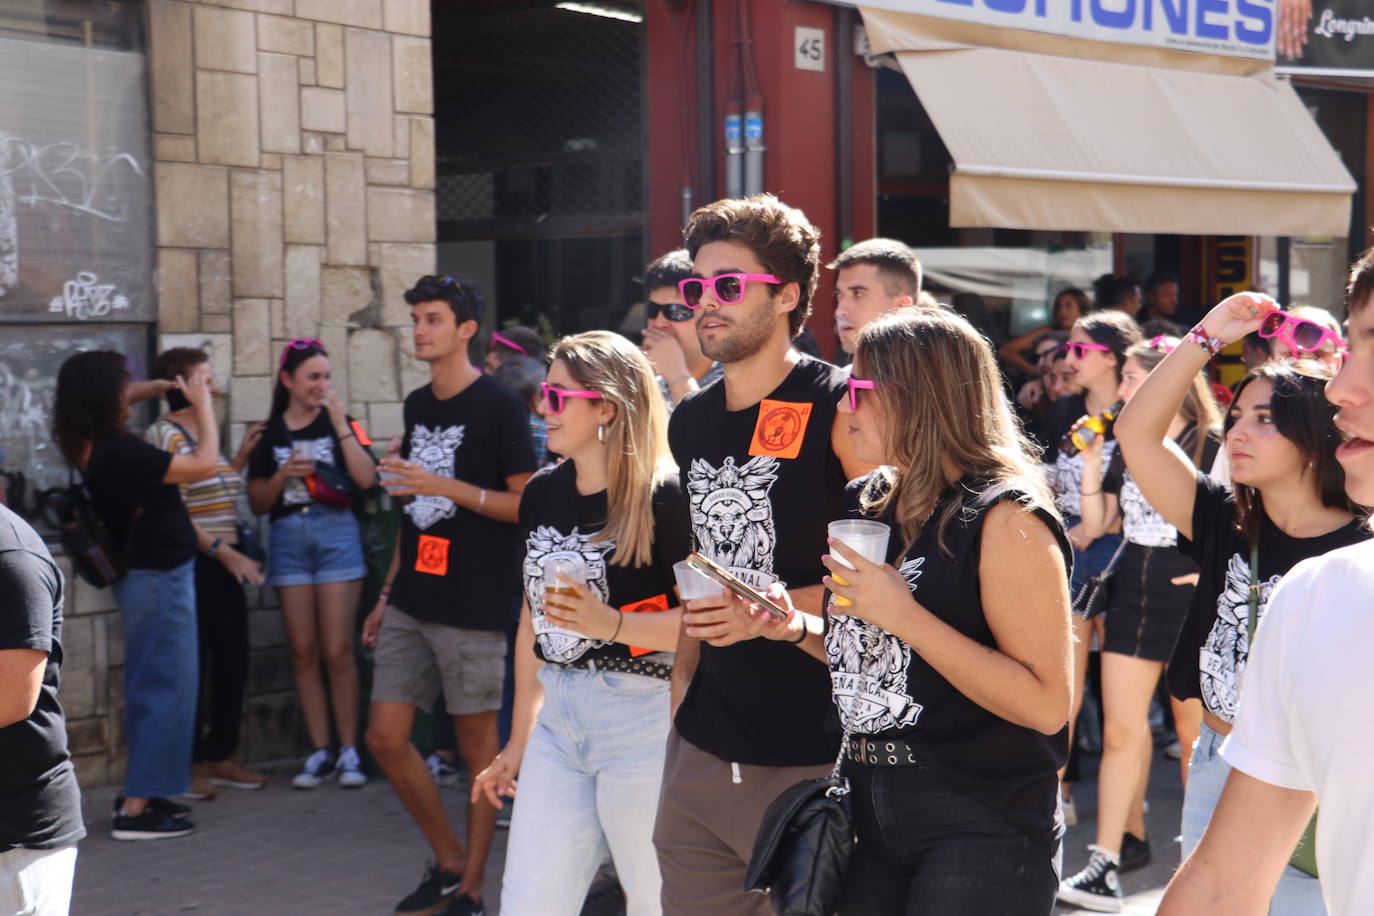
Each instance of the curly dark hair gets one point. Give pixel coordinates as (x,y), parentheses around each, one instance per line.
(781,237)
(89,405)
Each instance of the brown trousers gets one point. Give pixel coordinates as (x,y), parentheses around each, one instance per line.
(706,827)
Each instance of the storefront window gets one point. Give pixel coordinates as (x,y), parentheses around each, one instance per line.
(75,204)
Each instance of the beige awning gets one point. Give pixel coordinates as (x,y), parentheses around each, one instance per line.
(1049,142)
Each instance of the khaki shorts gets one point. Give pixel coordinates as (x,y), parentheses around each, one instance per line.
(415,658)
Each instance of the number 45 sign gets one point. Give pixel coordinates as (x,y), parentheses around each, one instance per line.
(809,48)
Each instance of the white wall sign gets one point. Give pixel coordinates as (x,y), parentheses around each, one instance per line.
(809,47)
(1233,28)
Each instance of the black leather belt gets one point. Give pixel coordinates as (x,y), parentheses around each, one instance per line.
(883,752)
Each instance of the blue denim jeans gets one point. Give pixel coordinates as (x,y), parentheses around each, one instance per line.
(1298,894)
(589,783)
(161,678)
(924,847)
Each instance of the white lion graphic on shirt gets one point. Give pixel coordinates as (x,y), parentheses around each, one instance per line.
(320,450)
(547,543)
(868,670)
(1222,659)
(732,515)
(433,449)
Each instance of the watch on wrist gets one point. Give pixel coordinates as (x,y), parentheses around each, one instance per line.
(214,547)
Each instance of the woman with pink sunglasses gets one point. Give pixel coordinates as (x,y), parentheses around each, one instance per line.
(595,645)
(303,474)
(1288,504)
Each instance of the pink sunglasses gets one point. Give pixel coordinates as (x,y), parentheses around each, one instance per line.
(854,385)
(503,340)
(300,343)
(1078,350)
(557,398)
(727,288)
(1301,335)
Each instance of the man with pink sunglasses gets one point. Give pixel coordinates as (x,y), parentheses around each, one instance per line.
(764,458)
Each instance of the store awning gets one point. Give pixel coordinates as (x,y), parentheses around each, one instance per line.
(1049,142)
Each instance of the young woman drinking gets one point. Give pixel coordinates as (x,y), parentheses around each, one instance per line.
(593,661)
(1289,504)
(134,488)
(303,473)
(1149,599)
(951,665)
(1096,353)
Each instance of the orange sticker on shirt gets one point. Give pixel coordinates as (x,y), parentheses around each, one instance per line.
(431,555)
(780,429)
(647,606)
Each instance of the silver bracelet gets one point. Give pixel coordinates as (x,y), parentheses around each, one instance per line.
(481,499)
(681,378)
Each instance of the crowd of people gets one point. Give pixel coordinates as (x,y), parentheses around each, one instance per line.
(1101,492)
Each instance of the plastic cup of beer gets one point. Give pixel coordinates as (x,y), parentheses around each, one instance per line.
(559,568)
(865,537)
(692,585)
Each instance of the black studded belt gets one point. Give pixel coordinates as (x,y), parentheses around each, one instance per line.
(883,752)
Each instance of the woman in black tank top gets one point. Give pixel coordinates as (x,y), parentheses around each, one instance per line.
(950,670)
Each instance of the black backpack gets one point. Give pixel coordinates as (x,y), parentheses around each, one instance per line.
(85,539)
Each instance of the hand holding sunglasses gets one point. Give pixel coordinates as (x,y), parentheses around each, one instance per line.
(1230,320)
(1301,335)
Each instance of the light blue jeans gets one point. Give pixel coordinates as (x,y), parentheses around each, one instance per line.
(1298,894)
(161,678)
(589,783)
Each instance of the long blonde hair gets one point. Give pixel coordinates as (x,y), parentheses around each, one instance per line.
(636,438)
(943,405)
(1199,409)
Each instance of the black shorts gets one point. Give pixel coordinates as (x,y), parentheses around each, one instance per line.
(1146,610)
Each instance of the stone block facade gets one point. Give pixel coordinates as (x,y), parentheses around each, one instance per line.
(294,181)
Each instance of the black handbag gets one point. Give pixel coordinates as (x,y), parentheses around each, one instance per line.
(1092,595)
(85,539)
(805,840)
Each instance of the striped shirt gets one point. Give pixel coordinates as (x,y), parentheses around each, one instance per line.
(210,501)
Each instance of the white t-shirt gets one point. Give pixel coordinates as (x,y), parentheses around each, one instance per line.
(1303,721)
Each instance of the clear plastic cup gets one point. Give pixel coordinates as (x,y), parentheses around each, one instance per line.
(865,537)
(692,585)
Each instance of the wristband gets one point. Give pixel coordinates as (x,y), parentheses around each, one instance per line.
(681,378)
(802,638)
(618,621)
(481,499)
(1092,493)
(1199,336)
(351,435)
(385,590)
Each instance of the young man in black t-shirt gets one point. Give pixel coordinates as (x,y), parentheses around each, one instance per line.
(40,804)
(452,590)
(764,457)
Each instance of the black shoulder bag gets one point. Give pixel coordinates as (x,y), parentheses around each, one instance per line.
(85,539)
(1091,598)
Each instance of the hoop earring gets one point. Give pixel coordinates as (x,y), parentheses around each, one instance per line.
(601,434)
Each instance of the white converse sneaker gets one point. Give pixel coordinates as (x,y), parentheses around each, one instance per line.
(1097,886)
(319,767)
(351,775)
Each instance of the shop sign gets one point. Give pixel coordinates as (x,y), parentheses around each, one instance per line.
(1233,28)
(1340,37)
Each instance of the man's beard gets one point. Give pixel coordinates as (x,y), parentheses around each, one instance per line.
(747,335)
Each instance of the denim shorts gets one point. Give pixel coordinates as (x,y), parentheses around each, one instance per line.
(313,546)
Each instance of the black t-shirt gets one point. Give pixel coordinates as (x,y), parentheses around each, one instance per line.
(40,803)
(883,688)
(555,519)
(124,475)
(316,440)
(1213,647)
(1066,472)
(457,567)
(762,485)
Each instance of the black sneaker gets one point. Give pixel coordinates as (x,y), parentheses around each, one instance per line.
(152,824)
(1096,887)
(166,805)
(322,764)
(1135,853)
(436,889)
(463,905)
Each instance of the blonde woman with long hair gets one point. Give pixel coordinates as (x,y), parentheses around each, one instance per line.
(592,661)
(951,666)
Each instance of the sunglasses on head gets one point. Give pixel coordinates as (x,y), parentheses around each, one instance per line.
(1160,342)
(440,280)
(673,311)
(499,338)
(727,288)
(1077,350)
(1301,335)
(300,343)
(556,398)
(855,384)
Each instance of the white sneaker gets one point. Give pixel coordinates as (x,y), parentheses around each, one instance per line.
(444,773)
(350,769)
(1070,810)
(319,767)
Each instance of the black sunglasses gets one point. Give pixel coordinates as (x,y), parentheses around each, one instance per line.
(673,311)
(439,280)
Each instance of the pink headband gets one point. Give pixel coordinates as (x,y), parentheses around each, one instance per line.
(498,338)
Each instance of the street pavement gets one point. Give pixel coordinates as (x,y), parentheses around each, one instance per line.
(336,851)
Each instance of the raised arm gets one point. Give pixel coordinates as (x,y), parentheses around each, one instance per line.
(1166,477)
(201,463)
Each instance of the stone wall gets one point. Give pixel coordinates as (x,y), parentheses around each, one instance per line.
(294,178)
